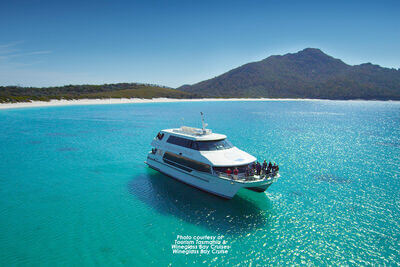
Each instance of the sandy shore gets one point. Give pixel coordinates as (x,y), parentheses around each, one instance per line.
(54,103)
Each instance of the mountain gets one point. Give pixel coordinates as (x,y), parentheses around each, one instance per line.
(309,73)
(118,90)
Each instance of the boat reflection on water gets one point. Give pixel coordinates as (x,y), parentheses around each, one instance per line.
(229,217)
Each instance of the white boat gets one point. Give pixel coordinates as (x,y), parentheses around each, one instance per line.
(200,158)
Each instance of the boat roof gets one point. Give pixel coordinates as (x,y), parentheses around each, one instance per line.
(228,158)
(195,134)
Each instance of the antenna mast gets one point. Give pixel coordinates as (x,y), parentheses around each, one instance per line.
(204,125)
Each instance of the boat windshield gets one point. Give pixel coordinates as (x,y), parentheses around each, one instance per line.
(213,145)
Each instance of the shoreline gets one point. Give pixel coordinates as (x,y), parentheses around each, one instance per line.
(87,102)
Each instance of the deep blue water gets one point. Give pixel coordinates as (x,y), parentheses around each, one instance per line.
(74,189)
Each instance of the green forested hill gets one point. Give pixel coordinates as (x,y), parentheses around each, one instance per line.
(119,90)
(307,74)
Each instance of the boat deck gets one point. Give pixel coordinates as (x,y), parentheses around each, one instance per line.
(252,178)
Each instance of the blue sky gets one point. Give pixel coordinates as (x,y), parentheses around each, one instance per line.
(44,43)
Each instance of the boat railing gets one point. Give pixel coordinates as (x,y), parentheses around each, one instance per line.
(244,177)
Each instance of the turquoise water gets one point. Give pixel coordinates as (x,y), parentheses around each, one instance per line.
(74,189)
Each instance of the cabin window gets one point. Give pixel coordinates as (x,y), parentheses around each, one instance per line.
(200,145)
(214,145)
(184,163)
(195,146)
(180,141)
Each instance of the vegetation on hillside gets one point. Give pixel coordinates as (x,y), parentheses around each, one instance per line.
(120,90)
(307,74)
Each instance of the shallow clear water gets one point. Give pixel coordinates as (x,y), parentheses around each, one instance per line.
(74,189)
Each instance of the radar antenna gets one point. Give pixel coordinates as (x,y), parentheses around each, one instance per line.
(203,123)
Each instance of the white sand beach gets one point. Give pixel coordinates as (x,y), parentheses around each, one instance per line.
(54,103)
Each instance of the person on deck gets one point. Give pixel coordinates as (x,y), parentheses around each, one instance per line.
(249,171)
(253,165)
(235,173)
(229,172)
(258,168)
(269,167)
(264,166)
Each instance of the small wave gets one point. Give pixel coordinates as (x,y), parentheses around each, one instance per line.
(391,144)
(330,178)
(316,113)
(296,193)
(65,149)
(34,142)
(61,134)
(89,119)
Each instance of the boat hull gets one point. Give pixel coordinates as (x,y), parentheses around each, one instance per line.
(221,187)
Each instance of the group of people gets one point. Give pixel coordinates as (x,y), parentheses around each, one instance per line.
(256,168)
